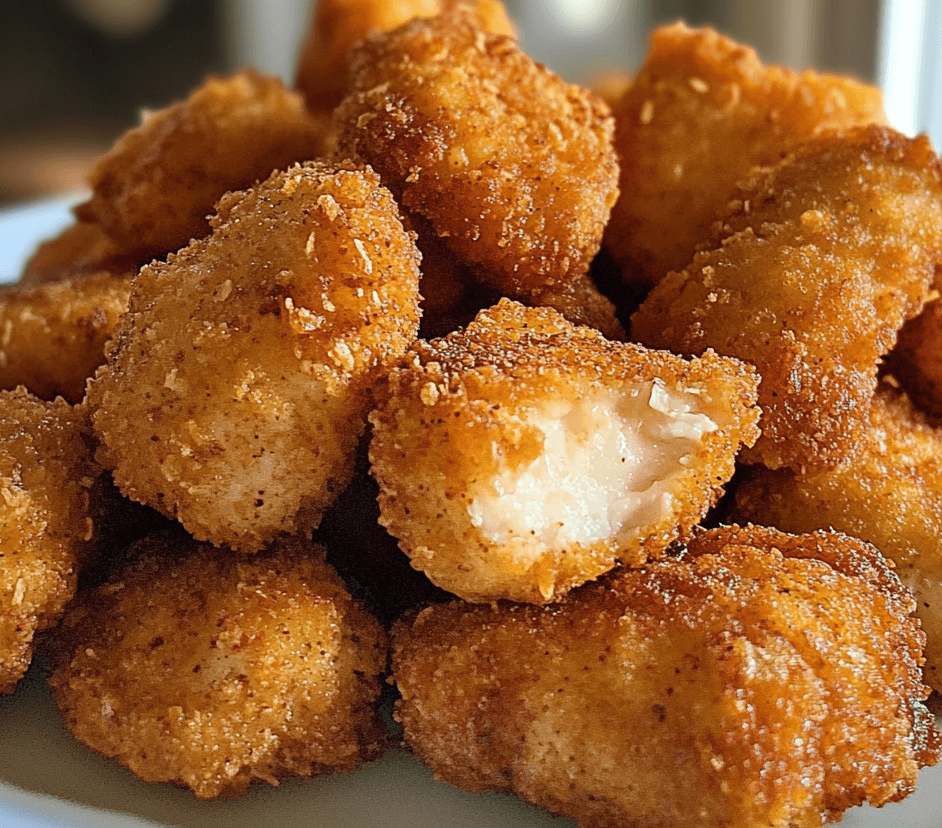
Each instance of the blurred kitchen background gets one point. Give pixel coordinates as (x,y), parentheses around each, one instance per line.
(74,74)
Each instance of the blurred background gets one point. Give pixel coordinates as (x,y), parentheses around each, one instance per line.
(74,74)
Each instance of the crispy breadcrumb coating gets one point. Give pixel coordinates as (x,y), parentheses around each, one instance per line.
(762,679)
(53,335)
(237,384)
(49,488)
(890,494)
(809,276)
(82,249)
(916,361)
(524,456)
(337,25)
(195,666)
(154,190)
(513,168)
(701,113)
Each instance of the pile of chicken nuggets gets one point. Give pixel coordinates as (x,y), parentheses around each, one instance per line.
(602,424)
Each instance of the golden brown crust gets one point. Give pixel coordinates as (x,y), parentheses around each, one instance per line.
(890,494)
(153,191)
(237,384)
(809,275)
(52,336)
(916,361)
(337,25)
(479,406)
(511,166)
(81,249)
(611,85)
(701,113)
(48,507)
(192,665)
(663,696)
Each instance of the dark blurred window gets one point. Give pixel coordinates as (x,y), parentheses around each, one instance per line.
(75,73)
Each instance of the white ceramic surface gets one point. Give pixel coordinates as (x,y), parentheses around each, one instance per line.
(48,780)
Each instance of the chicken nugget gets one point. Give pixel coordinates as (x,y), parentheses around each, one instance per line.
(337,25)
(512,167)
(524,456)
(154,190)
(198,667)
(237,384)
(611,85)
(81,249)
(761,679)
(53,335)
(701,113)
(916,361)
(809,276)
(890,495)
(49,485)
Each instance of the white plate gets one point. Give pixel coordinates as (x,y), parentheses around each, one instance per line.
(47,779)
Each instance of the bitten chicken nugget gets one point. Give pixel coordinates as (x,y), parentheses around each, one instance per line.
(192,665)
(916,361)
(337,25)
(152,193)
(701,113)
(238,382)
(809,276)
(762,679)
(524,456)
(890,494)
(52,336)
(82,249)
(512,167)
(49,486)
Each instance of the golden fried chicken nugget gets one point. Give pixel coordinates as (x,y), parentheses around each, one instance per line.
(83,248)
(337,25)
(890,494)
(53,335)
(611,85)
(524,456)
(238,382)
(761,679)
(195,666)
(809,276)
(916,361)
(49,485)
(512,167)
(701,113)
(155,189)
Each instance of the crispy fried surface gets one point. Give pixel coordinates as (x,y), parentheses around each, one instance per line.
(480,446)
(809,276)
(195,666)
(81,249)
(237,384)
(512,167)
(890,494)
(701,113)
(52,336)
(48,505)
(916,361)
(763,679)
(337,25)
(153,191)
